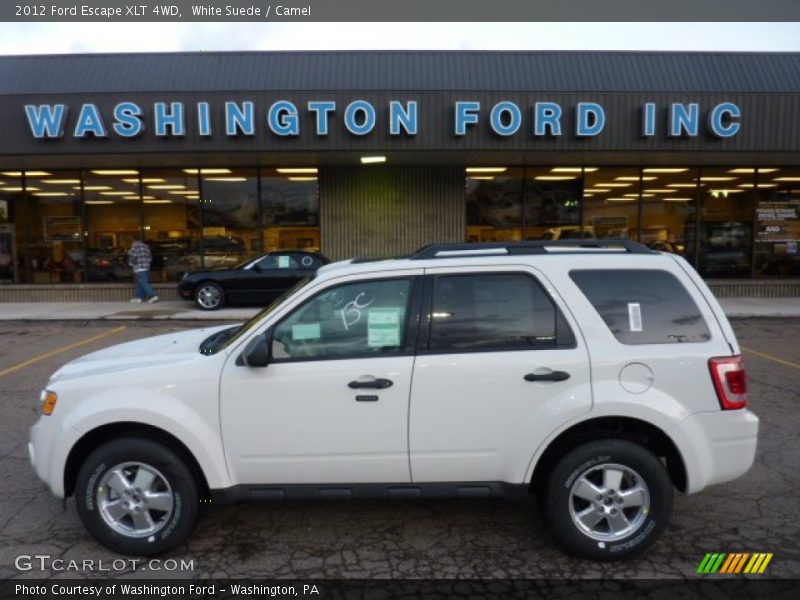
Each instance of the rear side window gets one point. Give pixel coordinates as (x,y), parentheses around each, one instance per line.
(482,312)
(643,306)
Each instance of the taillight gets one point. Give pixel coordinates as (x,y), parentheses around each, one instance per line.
(730,381)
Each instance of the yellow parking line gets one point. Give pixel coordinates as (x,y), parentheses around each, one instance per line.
(781,361)
(36,359)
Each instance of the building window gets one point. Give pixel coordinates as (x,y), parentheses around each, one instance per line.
(290,208)
(171,221)
(231,230)
(726,222)
(13,232)
(55,227)
(777,223)
(611,203)
(669,209)
(113,209)
(551,203)
(494,203)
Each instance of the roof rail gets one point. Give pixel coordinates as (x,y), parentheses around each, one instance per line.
(528,247)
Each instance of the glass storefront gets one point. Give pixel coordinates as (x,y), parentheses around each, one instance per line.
(77,226)
(729,222)
(60,226)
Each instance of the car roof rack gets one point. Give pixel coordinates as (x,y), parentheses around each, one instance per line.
(528,247)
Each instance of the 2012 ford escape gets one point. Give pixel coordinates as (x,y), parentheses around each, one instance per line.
(598,374)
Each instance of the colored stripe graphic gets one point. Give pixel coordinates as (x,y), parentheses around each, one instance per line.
(711,562)
(734,563)
(759,562)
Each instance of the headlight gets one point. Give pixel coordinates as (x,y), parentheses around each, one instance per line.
(49,400)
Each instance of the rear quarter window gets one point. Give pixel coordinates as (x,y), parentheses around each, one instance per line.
(643,306)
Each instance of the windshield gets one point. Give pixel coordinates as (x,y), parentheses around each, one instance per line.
(222,339)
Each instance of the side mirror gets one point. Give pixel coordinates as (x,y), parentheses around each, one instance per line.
(258,352)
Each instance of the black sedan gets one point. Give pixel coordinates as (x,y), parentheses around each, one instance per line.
(257,280)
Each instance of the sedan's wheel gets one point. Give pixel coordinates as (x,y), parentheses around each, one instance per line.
(608,499)
(209,296)
(137,497)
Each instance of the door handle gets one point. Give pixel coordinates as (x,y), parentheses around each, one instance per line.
(372,384)
(552,376)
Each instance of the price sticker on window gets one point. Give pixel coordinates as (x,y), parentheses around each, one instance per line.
(383,327)
(635,316)
(283,262)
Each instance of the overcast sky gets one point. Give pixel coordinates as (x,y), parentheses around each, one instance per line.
(52,38)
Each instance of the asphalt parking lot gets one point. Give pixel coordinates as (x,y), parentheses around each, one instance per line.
(404,539)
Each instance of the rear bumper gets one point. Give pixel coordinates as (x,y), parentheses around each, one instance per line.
(716,447)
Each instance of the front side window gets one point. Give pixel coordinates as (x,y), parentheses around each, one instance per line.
(643,306)
(492,312)
(360,319)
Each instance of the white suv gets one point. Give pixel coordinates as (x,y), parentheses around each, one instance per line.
(598,374)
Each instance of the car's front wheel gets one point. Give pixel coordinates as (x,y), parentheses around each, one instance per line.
(209,296)
(608,499)
(136,496)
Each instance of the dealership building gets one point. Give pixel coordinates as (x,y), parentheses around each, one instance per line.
(214,157)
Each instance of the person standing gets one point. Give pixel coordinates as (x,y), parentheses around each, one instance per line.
(139,258)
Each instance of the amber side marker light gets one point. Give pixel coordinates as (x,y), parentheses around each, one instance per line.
(49,404)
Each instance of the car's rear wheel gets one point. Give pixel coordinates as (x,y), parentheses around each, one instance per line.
(136,496)
(209,296)
(607,500)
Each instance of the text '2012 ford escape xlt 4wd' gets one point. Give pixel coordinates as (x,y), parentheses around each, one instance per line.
(598,374)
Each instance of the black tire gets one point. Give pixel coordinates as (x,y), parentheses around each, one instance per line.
(209,295)
(647,523)
(91,495)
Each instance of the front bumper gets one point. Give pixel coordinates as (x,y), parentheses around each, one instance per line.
(716,446)
(47,457)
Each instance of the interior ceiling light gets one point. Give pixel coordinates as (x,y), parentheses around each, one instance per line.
(760,185)
(61,181)
(224,179)
(613,184)
(145,180)
(634,178)
(167,186)
(157,201)
(481,177)
(18,189)
(116,172)
(184,192)
(98,202)
(661,191)
(555,177)
(745,171)
(717,178)
(677,199)
(786,179)
(620,199)
(27,173)
(207,171)
(573,169)
(371,160)
(682,185)
(302,178)
(117,193)
(93,188)
(50,194)
(475,169)
(665,169)
(298,170)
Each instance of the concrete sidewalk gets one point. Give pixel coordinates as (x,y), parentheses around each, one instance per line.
(121,311)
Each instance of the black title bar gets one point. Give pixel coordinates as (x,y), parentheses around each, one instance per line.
(407,10)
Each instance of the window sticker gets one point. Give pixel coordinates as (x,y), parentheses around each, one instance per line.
(283,262)
(307,261)
(383,327)
(306,331)
(635,316)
